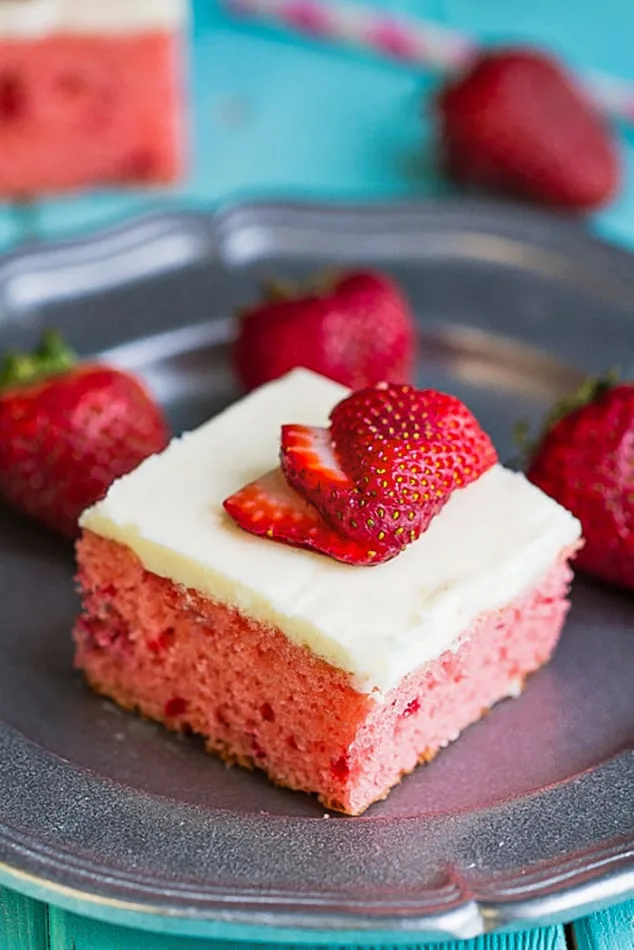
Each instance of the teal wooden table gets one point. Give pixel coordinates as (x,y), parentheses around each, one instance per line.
(29,925)
(276,118)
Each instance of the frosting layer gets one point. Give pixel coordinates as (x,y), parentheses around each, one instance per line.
(493,539)
(29,19)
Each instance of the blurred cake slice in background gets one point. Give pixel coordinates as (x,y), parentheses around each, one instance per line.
(91,94)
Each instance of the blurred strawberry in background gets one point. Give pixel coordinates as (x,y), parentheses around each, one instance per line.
(356,329)
(516,122)
(511,121)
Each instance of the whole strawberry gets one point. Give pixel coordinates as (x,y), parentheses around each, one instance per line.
(586,462)
(517,123)
(357,331)
(68,430)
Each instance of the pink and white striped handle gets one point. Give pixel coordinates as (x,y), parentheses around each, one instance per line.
(411,41)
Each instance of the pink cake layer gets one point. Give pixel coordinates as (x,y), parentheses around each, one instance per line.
(78,111)
(261,700)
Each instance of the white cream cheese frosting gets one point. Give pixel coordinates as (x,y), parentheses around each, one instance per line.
(30,19)
(492,540)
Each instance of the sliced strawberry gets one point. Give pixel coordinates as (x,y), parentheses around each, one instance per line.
(310,464)
(394,457)
(371,484)
(270,508)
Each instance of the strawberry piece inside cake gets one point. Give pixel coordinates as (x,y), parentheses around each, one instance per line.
(90,94)
(334,677)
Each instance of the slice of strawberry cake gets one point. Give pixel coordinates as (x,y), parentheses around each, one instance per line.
(336,619)
(91,93)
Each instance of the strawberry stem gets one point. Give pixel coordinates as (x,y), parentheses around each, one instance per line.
(51,357)
(276,290)
(589,390)
(521,432)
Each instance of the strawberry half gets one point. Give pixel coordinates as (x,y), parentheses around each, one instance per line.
(393,457)
(585,461)
(270,508)
(311,465)
(67,430)
(356,330)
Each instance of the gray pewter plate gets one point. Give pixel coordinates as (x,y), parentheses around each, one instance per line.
(529,817)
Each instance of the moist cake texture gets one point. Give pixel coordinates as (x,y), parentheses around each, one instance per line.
(334,679)
(90,94)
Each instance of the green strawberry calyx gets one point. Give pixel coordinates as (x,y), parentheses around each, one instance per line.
(51,357)
(274,290)
(277,290)
(589,391)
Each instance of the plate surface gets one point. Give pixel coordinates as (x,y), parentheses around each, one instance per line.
(530,816)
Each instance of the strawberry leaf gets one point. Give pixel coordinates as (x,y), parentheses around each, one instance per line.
(52,357)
